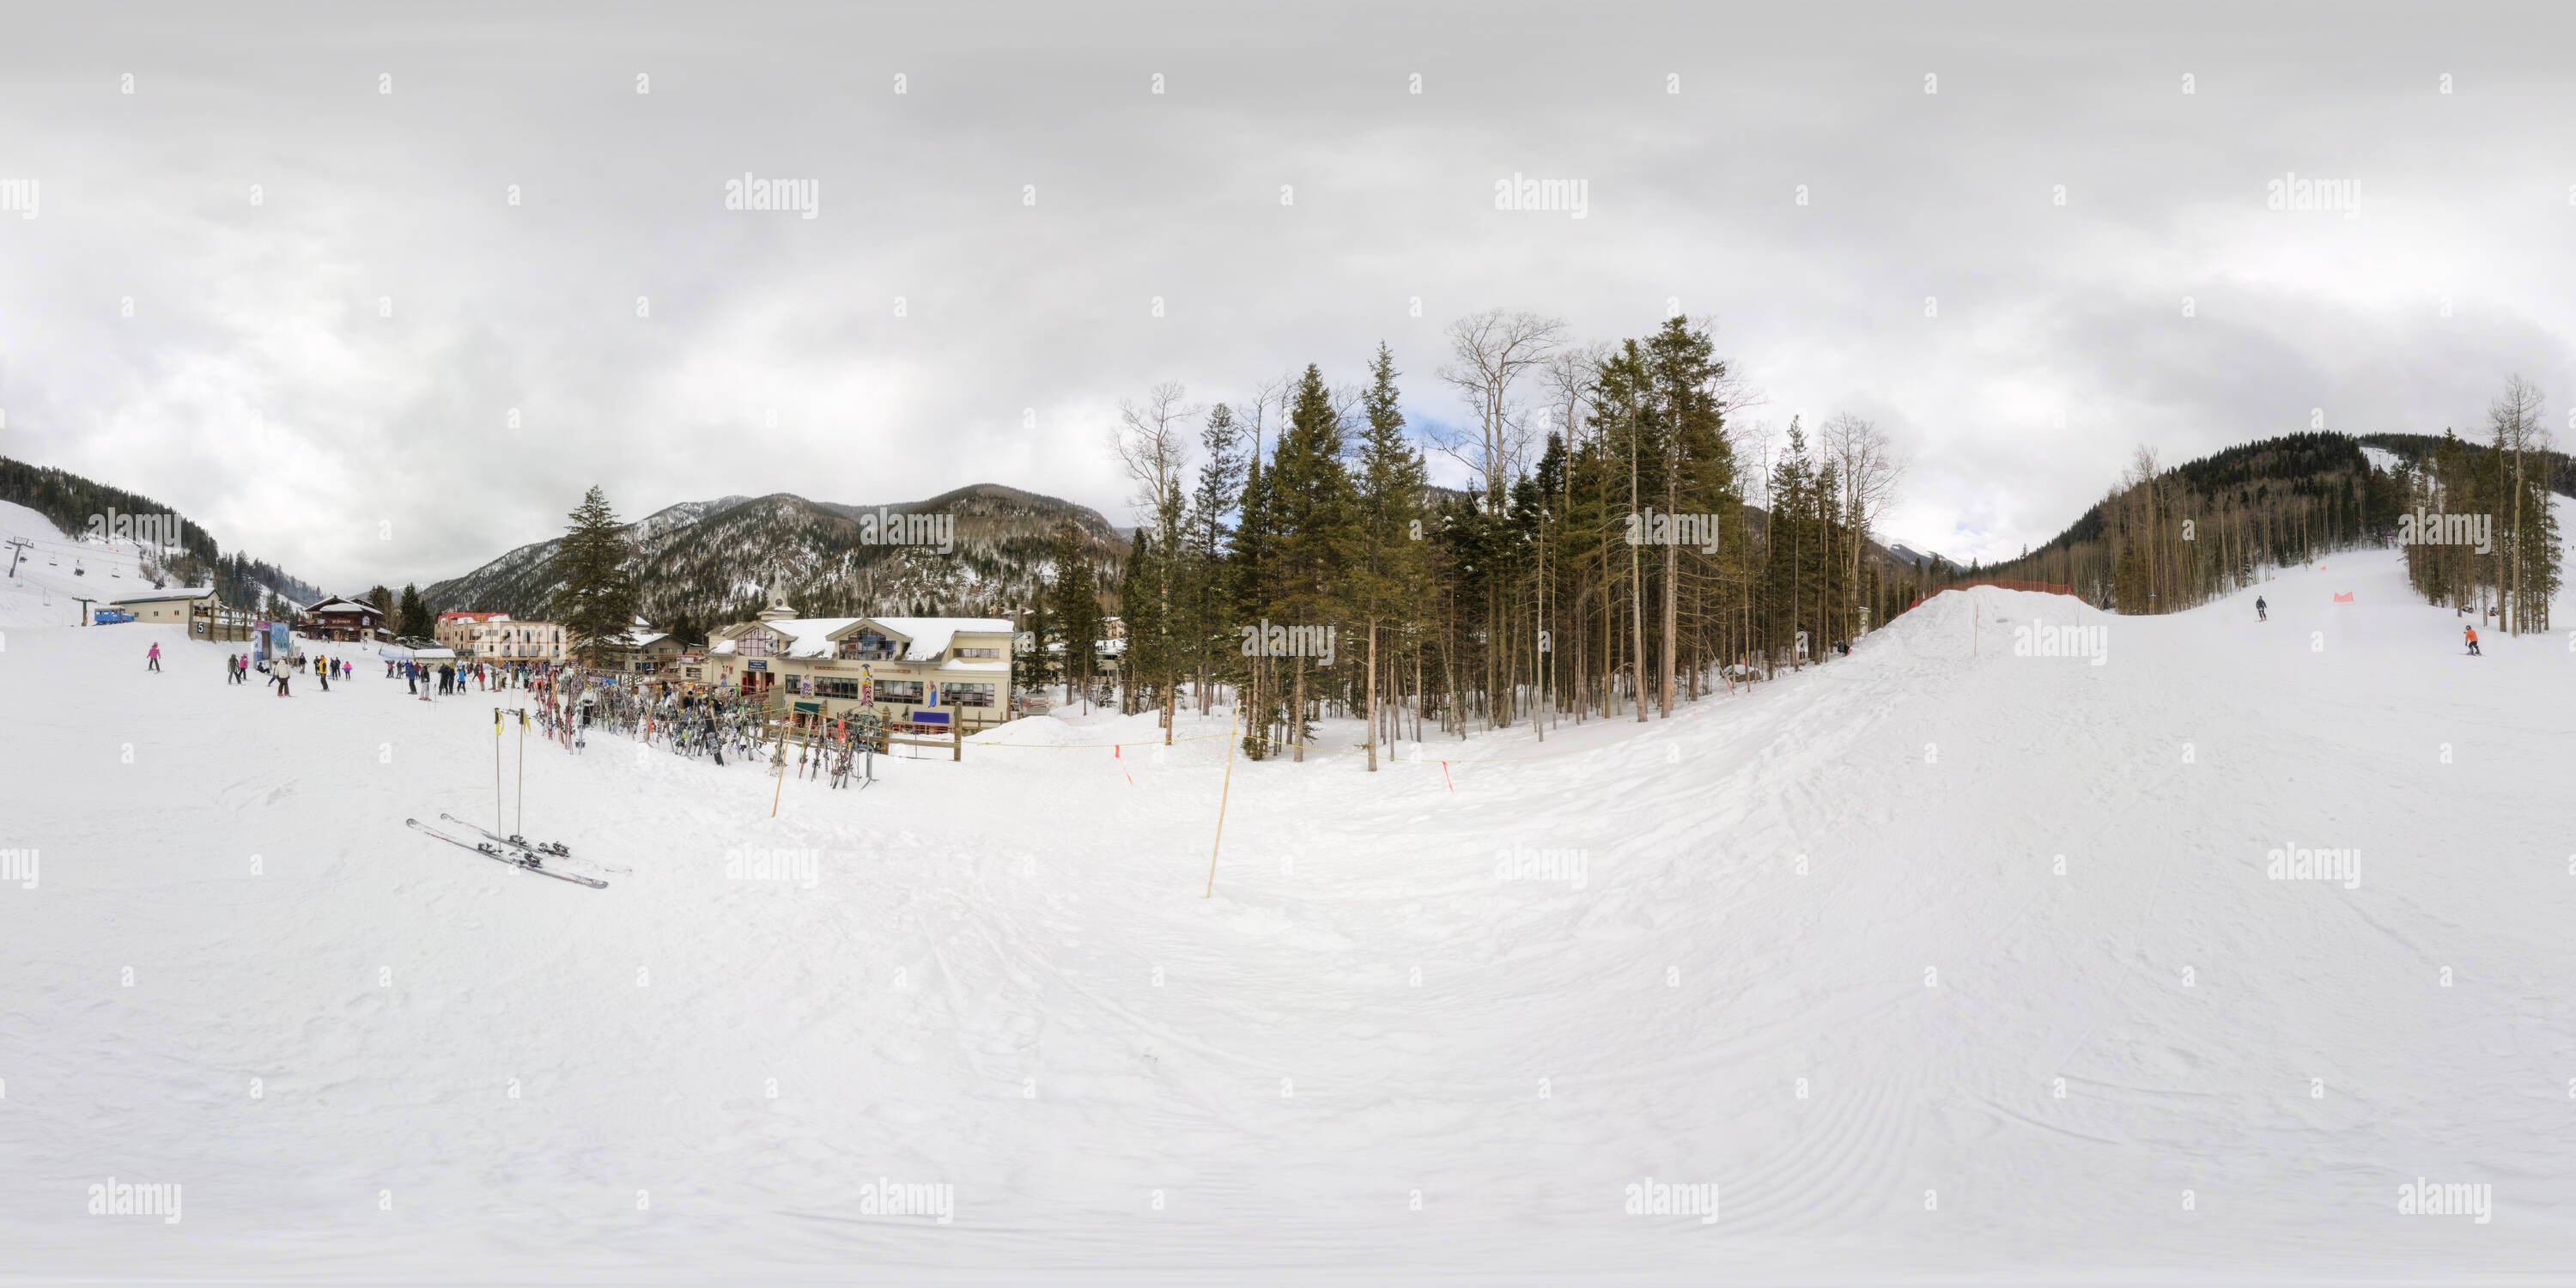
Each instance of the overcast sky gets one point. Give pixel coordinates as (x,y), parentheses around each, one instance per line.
(2018,349)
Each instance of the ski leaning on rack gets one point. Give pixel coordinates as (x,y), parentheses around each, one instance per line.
(500,853)
(542,849)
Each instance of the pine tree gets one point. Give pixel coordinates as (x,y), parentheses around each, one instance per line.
(413,621)
(1140,613)
(1313,511)
(1207,536)
(1076,597)
(596,595)
(1384,551)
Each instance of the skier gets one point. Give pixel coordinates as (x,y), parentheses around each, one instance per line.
(411,683)
(278,670)
(2261,614)
(152,660)
(322,673)
(2472,633)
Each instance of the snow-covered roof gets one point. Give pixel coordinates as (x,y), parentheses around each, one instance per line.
(927,638)
(807,636)
(163,596)
(997,668)
(342,604)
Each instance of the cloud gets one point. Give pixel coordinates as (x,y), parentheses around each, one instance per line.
(260,388)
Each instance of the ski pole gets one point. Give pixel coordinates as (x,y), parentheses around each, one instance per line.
(496,769)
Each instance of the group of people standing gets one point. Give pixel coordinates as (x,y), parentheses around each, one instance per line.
(452,677)
(280,671)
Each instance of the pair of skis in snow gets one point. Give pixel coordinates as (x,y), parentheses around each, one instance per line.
(542,849)
(514,851)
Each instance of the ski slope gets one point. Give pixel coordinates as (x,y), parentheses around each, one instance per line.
(1002,977)
(56,569)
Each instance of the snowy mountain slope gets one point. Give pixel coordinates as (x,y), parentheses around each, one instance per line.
(523,580)
(57,568)
(707,558)
(1003,978)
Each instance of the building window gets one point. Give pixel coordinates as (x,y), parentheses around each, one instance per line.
(904,691)
(979,652)
(828,688)
(968,695)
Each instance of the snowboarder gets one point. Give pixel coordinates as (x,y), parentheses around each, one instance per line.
(278,671)
(2472,633)
(2261,613)
(152,660)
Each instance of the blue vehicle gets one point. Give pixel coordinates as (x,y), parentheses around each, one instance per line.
(110,616)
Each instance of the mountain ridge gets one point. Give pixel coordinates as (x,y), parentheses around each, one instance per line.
(715,560)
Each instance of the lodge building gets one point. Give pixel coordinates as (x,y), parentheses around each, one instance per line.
(940,671)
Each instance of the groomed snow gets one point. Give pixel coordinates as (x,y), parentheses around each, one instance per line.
(1003,978)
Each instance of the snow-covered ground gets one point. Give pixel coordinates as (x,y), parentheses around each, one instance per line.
(1404,1038)
(56,569)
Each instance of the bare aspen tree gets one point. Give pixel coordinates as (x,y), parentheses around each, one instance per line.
(1869,470)
(2515,416)
(1154,446)
(1490,353)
